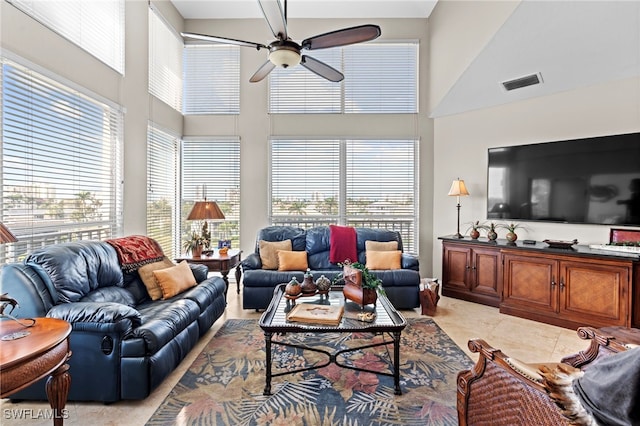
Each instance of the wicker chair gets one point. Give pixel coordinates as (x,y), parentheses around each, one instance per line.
(500,390)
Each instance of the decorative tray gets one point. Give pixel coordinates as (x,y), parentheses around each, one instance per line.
(290,297)
(559,244)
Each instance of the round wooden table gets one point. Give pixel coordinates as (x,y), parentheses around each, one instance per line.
(43,352)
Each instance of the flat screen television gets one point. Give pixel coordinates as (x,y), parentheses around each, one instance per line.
(593,180)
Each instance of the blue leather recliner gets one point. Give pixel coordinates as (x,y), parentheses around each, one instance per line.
(123,344)
(401,285)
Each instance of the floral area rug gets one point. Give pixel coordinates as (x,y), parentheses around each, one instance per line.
(225,384)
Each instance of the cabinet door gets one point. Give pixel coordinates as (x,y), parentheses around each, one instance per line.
(456,264)
(531,283)
(595,293)
(484,271)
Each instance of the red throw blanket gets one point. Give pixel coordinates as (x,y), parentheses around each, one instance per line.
(135,251)
(342,244)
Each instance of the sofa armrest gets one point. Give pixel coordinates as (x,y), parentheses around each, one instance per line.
(499,390)
(251,262)
(98,317)
(200,271)
(409,261)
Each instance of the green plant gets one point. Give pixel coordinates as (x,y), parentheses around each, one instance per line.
(477,226)
(369,280)
(510,227)
(195,241)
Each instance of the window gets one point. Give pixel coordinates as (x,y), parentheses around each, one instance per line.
(165,61)
(379,78)
(95,26)
(61,161)
(211,170)
(355,182)
(162,172)
(211,78)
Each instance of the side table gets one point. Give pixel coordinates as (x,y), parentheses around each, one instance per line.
(217,263)
(43,352)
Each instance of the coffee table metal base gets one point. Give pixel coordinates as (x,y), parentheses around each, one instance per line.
(333,358)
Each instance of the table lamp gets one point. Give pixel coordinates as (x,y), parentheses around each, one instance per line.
(205,210)
(458,189)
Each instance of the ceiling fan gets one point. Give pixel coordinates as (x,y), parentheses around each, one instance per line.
(286,53)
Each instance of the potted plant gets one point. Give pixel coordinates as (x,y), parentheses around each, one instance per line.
(475,228)
(511,231)
(360,285)
(492,235)
(194,244)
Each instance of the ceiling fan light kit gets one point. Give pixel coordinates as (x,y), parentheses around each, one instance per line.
(286,53)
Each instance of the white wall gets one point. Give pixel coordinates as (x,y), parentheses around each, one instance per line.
(461,141)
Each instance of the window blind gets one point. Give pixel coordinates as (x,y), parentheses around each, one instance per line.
(211,170)
(165,61)
(95,26)
(356,182)
(61,162)
(162,172)
(379,78)
(211,76)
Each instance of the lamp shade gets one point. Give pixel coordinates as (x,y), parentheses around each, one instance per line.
(205,210)
(458,188)
(6,236)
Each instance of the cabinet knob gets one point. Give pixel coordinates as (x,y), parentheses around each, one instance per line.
(553,282)
(561,284)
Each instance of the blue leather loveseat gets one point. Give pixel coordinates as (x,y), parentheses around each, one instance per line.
(123,343)
(401,285)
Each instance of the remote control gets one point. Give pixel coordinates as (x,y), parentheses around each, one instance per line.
(528,241)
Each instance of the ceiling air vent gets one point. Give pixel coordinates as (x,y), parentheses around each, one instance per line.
(527,80)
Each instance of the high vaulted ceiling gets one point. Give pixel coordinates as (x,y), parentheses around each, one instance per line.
(571,44)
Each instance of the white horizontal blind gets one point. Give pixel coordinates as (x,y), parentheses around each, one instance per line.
(165,61)
(61,162)
(356,182)
(298,90)
(162,172)
(211,170)
(211,76)
(382,186)
(96,26)
(379,78)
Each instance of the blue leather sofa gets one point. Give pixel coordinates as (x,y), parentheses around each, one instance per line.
(400,285)
(123,344)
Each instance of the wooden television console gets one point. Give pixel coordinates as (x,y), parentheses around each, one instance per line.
(569,288)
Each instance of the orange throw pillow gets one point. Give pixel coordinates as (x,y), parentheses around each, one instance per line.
(292,260)
(175,280)
(383,259)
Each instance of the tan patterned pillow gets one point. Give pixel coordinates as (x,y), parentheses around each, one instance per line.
(371,245)
(269,252)
(149,280)
(175,280)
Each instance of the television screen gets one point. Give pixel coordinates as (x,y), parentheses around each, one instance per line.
(594,180)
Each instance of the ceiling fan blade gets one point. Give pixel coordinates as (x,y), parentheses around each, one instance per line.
(224,40)
(274,15)
(342,37)
(262,72)
(321,69)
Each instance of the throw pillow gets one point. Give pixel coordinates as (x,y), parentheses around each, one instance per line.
(371,245)
(292,260)
(149,280)
(269,252)
(383,259)
(175,280)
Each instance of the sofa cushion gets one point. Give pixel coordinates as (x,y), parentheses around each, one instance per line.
(269,252)
(383,259)
(111,294)
(78,268)
(149,279)
(162,320)
(375,234)
(175,280)
(292,260)
(370,245)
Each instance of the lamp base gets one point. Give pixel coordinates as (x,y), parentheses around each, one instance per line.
(458,235)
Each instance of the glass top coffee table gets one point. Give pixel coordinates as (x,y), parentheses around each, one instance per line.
(388,322)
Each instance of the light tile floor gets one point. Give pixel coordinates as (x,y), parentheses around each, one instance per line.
(527,340)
